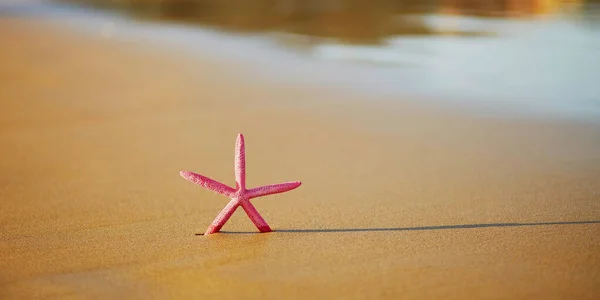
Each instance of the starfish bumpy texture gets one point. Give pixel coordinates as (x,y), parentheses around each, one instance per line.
(240,196)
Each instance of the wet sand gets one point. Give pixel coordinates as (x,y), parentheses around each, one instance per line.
(400,200)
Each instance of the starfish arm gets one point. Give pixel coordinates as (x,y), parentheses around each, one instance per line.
(208,183)
(273,189)
(222,218)
(255,217)
(240,162)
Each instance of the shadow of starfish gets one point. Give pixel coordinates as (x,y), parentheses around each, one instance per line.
(441,227)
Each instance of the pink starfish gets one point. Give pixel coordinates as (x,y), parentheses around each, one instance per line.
(240,196)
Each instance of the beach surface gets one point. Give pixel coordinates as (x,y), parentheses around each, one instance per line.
(400,199)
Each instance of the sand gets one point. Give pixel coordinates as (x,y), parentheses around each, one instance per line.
(400,200)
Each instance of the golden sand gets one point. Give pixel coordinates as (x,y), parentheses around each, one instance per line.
(399,200)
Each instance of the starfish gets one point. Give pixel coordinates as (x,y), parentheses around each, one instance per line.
(240,196)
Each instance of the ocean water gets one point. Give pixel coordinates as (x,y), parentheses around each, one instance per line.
(547,66)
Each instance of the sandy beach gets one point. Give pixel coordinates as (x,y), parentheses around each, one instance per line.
(400,199)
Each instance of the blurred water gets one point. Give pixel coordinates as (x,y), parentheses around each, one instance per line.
(553,63)
(545,65)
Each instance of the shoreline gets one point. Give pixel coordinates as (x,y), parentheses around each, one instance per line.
(262,58)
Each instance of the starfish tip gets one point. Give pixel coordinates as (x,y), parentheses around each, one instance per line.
(185,174)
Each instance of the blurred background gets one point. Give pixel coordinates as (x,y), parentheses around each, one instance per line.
(538,55)
(352,21)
